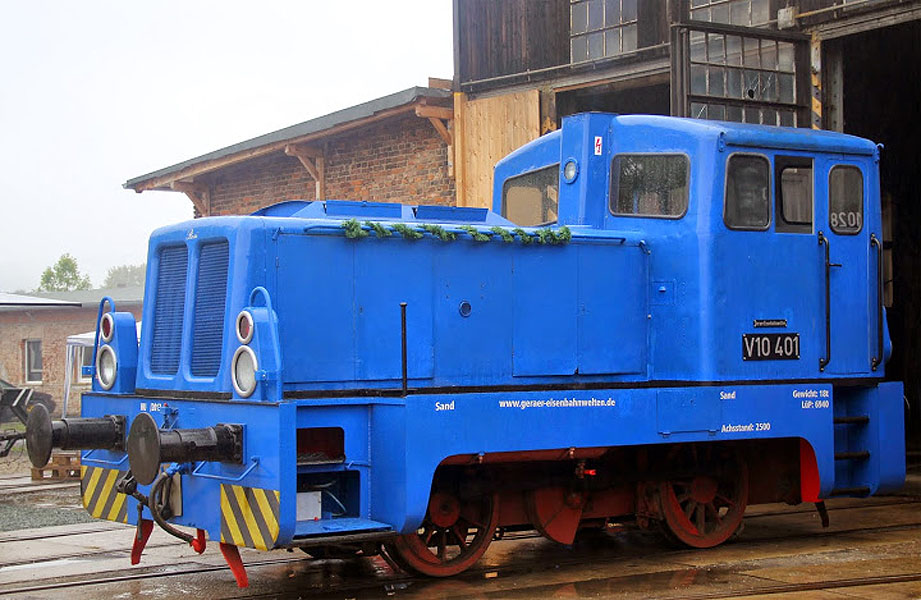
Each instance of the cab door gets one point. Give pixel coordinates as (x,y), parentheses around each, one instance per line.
(851,274)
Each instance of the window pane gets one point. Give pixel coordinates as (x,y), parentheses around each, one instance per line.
(579,18)
(796,195)
(579,48)
(629,38)
(612,12)
(612,42)
(654,185)
(748,183)
(629,11)
(595,14)
(87,358)
(845,199)
(33,360)
(532,199)
(596,45)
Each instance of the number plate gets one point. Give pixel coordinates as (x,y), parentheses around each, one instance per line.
(770,346)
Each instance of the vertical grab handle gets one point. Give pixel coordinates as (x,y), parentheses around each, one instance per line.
(824,360)
(878,359)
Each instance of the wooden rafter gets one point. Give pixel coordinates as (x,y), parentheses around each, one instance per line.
(312,159)
(441,118)
(198,193)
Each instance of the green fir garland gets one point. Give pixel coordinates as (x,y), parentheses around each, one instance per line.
(476,234)
(523,235)
(379,229)
(353,229)
(407,232)
(439,232)
(506,236)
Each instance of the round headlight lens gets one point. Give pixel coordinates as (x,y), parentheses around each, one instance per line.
(245,327)
(243,373)
(106,367)
(107,327)
(570,171)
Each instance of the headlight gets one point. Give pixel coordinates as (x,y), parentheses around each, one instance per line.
(244,327)
(106,366)
(243,372)
(107,327)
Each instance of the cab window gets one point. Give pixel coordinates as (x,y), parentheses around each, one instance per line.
(649,185)
(748,191)
(532,199)
(794,194)
(845,199)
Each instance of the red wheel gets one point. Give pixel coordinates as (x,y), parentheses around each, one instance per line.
(453,536)
(704,508)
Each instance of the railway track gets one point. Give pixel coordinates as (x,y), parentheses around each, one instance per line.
(371,584)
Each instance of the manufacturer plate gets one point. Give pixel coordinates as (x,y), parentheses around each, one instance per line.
(770,346)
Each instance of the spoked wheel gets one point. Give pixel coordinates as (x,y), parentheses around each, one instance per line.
(705,507)
(453,536)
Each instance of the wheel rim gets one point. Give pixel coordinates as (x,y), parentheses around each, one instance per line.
(453,536)
(705,507)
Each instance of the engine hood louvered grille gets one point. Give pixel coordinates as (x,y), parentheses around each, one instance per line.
(210,301)
(169,310)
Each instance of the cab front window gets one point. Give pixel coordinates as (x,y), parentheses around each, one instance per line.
(649,185)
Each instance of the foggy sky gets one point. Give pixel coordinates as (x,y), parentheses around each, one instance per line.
(94,93)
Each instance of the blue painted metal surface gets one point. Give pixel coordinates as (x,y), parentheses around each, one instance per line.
(628,333)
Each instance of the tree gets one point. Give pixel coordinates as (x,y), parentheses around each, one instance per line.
(64,276)
(125,276)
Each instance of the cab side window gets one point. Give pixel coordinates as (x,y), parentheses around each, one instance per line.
(649,185)
(845,199)
(532,199)
(794,194)
(748,192)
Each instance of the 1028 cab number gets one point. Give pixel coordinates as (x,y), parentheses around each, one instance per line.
(770,346)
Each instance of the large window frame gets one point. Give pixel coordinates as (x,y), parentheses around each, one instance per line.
(768,199)
(610,25)
(32,373)
(614,187)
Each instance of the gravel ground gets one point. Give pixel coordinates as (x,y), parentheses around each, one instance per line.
(40,508)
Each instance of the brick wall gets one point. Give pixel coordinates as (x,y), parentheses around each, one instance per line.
(52,326)
(402,159)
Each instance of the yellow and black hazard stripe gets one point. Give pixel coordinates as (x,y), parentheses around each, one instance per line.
(249,516)
(100,498)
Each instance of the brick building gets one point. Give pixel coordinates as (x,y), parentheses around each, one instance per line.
(33,334)
(392,149)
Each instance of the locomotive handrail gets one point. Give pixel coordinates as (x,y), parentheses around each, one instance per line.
(103,461)
(254,462)
(878,359)
(824,360)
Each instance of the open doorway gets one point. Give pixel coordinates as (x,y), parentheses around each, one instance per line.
(648,96)
(881,98)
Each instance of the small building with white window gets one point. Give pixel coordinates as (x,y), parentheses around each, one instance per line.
(33,338)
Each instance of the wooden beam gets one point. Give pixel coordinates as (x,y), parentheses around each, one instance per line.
(198,193)
(313,161)
(441,129)
(306,159)
(435,112)
(442,84)
(321,180)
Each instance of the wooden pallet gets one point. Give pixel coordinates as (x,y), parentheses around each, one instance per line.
(63,465)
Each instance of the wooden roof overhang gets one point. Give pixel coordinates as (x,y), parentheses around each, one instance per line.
(302,141)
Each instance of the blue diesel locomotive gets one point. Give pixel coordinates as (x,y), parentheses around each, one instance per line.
(660,322)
